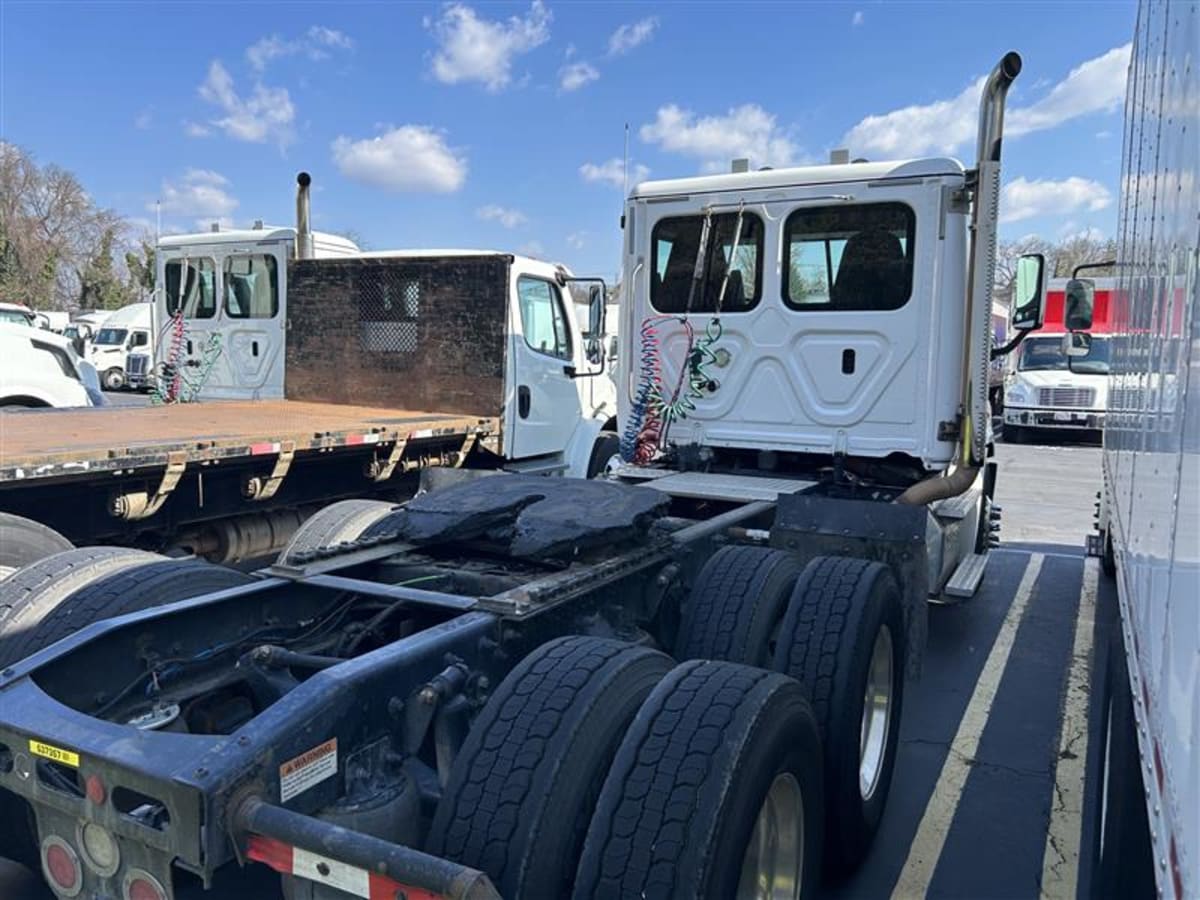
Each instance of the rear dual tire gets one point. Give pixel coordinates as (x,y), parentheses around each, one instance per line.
(523,787)
(837,628)
(714,793)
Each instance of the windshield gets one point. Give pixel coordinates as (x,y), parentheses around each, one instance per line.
(111,336)
(15,316)
(1042,354)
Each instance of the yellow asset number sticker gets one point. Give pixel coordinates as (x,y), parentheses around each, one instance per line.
(57,754)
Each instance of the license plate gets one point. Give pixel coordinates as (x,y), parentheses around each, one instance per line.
(1063,417)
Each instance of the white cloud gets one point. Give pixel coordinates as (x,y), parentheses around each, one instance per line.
(330,37)
(1103,135)
(532,248)
(613,172)
(575,75)
(407,158)
(474,49)
(631,35)
(201,193)
(1025,199)
(1097,85)
(509,218)
(575,240)
(858,18)
(315,45)
(263,51)
(745,131)
(196,130)
(144,119)
(266,112)
(938,127)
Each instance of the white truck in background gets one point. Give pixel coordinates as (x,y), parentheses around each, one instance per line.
(126,330)
(1147,822)
(40,369)
(1041,390)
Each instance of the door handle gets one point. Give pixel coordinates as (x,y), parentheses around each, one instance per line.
(523,401)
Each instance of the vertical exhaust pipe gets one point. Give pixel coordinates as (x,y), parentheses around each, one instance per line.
(982,260)
(981,270)
(304,237)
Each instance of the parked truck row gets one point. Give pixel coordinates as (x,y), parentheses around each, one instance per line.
(350,373)
(683,679)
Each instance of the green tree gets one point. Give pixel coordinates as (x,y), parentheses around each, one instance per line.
(141,264)
(99,285)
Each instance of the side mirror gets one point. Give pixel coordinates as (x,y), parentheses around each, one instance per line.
(596,307)
(1077,343)
(1029,295)
(1081,301)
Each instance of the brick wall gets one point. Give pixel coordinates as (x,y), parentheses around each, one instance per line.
(424,334)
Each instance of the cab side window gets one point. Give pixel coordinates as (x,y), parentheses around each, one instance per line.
(543,318)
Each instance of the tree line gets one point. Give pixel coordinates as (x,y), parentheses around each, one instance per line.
(60,250)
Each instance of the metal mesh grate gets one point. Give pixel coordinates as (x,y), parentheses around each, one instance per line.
(388,308)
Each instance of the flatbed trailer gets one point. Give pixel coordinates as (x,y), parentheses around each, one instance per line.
(213,461)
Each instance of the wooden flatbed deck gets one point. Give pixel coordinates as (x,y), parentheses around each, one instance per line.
(39,444)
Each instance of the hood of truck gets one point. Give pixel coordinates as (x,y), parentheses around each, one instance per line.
(1032,381)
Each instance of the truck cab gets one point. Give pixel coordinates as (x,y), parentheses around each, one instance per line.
(1043,389)
(129,329)
(826,325)
(221,306)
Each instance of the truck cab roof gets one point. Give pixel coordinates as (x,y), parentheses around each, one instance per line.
(326,244)
(798,175)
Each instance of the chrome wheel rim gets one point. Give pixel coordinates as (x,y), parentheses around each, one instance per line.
(877,714)
(773,865)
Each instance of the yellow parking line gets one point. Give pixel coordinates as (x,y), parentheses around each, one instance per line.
(939,812)
(1060,864)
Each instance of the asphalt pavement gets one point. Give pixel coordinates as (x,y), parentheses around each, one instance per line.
(994,790)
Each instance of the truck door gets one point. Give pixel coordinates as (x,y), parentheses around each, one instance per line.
(544,406)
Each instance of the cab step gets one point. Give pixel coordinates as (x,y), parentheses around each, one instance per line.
(966,578)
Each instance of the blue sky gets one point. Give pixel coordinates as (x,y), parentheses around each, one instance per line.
(501,124)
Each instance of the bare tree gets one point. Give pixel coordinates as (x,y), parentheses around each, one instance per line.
(51,232)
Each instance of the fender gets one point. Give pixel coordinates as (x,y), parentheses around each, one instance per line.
(578,452)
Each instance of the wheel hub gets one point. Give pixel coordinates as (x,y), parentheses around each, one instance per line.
(773,865)
(877,714)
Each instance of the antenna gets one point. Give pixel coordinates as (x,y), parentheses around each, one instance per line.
(625,167)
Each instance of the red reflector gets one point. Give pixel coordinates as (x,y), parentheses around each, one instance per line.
(141,885)
(95,789)
(141,889)
(271,852)
(62,867)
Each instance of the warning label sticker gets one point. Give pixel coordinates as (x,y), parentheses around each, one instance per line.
(308,769)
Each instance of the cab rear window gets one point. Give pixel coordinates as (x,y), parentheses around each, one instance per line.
(856,257)
(675,245)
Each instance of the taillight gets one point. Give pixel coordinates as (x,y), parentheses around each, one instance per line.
(141,885)
(60,865)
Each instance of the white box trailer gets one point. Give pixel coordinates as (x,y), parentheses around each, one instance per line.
(1149,509)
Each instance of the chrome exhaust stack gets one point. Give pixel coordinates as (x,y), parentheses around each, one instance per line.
(984,182)
(304,237)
